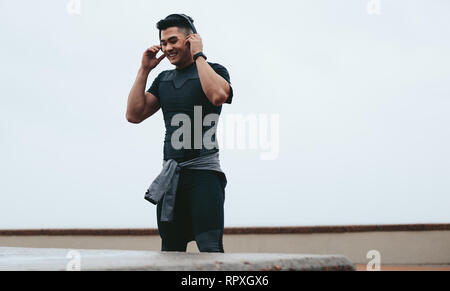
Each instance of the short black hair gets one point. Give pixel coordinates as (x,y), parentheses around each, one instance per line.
(175,22)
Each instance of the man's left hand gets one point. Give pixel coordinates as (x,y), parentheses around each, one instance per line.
(196,43)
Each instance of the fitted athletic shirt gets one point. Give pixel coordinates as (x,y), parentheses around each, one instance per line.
(179,91)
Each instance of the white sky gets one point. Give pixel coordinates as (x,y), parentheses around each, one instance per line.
(363,102)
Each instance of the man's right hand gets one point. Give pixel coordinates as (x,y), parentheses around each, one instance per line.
(149,59)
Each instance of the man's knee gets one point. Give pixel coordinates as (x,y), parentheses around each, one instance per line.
(210,241)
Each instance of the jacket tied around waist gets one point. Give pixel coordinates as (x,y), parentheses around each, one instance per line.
(164,187)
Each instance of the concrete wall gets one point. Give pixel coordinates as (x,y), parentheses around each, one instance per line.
(395,247)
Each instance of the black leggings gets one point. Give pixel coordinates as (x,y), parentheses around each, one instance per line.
(198,213)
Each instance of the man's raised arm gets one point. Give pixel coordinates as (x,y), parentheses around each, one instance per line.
(141,104)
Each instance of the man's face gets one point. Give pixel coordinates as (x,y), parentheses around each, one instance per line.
(173,45)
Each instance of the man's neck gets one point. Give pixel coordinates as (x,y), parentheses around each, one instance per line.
(191,61)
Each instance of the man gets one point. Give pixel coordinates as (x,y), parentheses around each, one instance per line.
(194,83)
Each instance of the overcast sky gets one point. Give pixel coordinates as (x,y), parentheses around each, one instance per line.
(361,94)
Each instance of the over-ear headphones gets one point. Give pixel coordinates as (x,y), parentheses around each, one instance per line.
(188,19)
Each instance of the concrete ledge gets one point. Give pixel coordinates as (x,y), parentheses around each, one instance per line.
(24,259)
(232,230)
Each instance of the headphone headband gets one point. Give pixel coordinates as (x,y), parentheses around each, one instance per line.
(186,18)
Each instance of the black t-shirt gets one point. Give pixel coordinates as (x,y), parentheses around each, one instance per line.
(178,91)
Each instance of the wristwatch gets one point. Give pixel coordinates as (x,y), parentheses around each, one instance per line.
(200,54)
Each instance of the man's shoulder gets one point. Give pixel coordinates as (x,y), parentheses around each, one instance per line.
(166,74)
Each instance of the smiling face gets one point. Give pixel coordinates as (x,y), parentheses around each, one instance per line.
(174,46)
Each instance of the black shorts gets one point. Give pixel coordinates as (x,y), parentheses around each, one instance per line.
(199,207)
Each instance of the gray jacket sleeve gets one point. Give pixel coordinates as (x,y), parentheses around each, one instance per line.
(164,187)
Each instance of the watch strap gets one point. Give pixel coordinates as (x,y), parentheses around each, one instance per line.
(200,54)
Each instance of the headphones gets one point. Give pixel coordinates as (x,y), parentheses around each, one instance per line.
(189,20)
